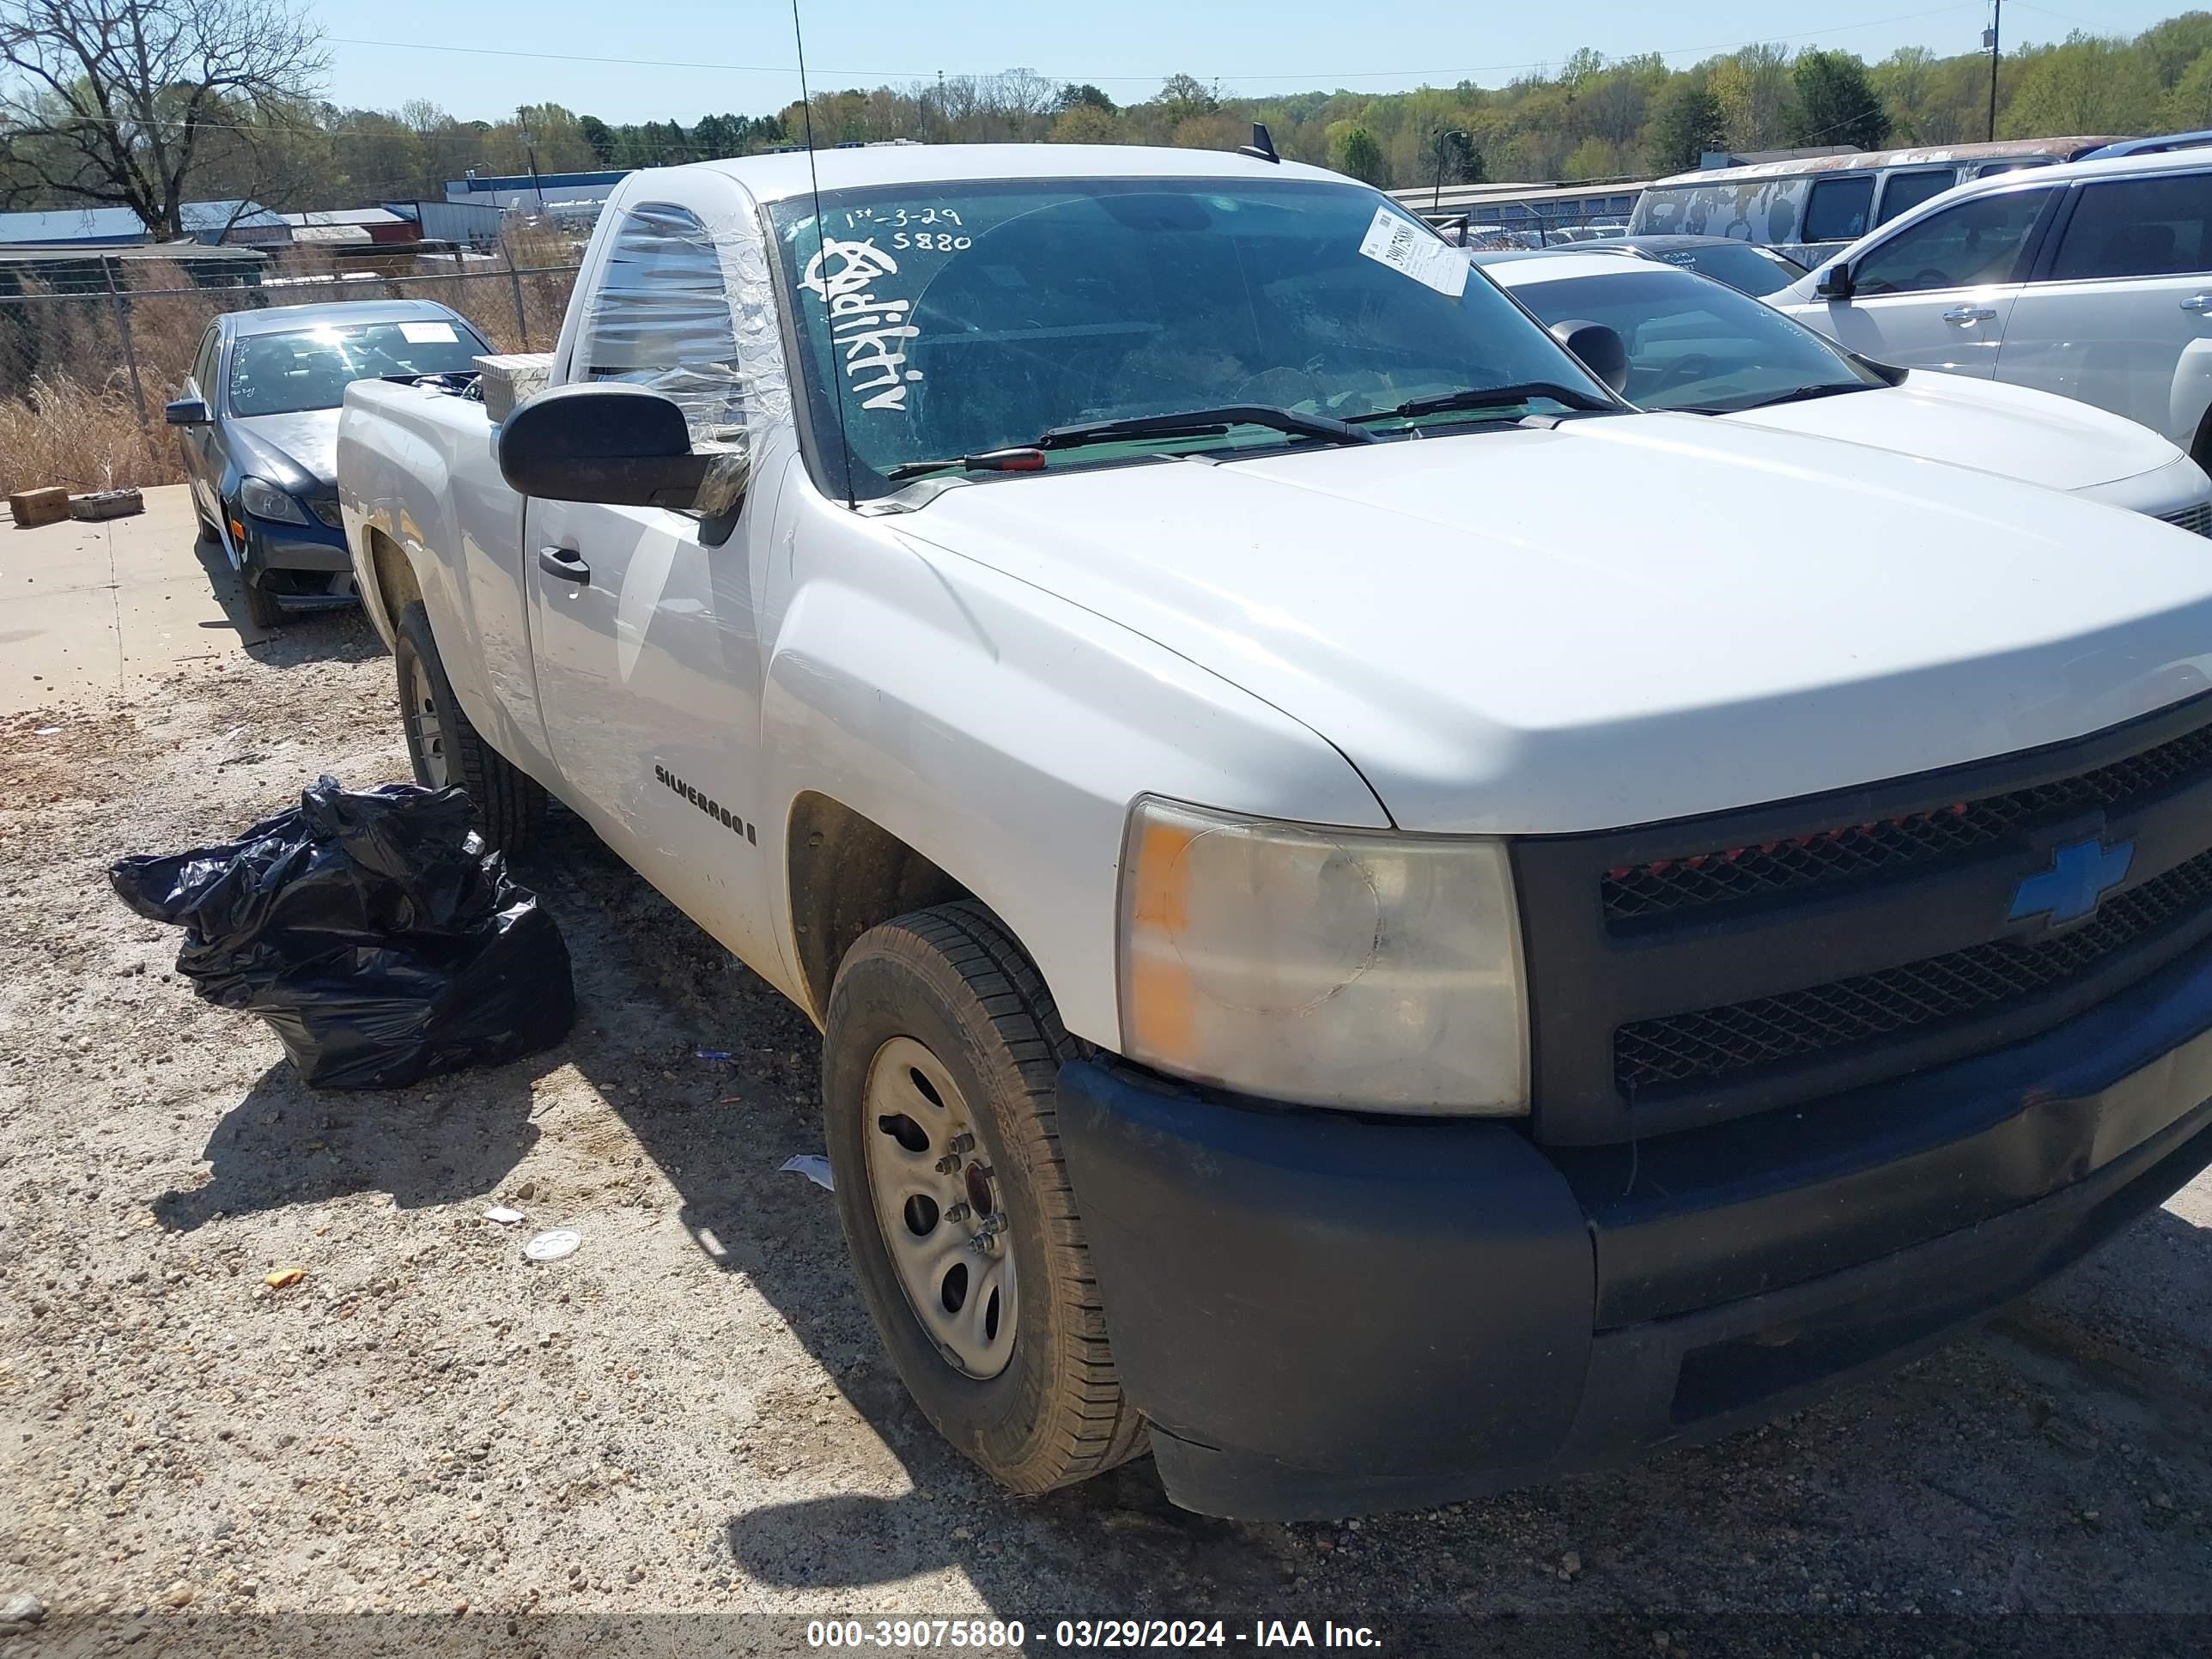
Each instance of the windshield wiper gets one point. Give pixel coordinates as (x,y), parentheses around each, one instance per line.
(1204,423)
(1026,459)
(1489,397)
(1795,394)
(1181,423)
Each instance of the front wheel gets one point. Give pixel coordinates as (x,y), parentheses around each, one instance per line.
(940,1057)
(261,607)
(447,752)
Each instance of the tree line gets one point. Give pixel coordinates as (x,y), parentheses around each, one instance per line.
(232,111)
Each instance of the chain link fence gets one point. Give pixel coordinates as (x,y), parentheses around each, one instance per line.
(91,347)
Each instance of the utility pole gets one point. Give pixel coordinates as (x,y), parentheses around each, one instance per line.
(1990,39)
(530,149)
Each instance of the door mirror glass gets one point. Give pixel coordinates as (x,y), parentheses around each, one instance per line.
(1602,351)
(185,411)
(620,445)
(1835,282)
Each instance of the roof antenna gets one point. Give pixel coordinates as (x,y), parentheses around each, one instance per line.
(821,246)
(1262,148)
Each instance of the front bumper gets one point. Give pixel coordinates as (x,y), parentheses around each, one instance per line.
(1321,1315)
(304,564)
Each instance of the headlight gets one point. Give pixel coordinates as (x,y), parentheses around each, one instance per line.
(1332,967)
(265,501)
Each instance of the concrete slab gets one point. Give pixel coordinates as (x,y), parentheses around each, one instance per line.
(96,610)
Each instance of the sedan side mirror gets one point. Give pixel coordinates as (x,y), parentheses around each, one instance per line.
(1835,282)
(618,445)
(1601,349)
(185,411)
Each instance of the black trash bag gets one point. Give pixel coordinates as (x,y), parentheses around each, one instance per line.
(372,931)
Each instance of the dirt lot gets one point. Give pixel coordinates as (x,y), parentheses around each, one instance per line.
(689,1417)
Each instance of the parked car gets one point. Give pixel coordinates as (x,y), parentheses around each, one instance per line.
(1742,265)
(2092,280)
(1693,344)
(258,422)
(2159,145)
(1812,206)
(1380,918)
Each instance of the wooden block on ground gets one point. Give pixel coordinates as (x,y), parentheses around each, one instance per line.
(32,507)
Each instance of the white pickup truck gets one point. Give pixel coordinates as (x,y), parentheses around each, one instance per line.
(1374,926)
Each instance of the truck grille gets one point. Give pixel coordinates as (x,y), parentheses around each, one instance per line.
(1710,1043)
(2197,518)
(1896,845)
(1685,973)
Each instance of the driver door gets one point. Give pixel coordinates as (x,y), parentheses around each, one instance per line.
(1938,293)
(202,456)
(643,619)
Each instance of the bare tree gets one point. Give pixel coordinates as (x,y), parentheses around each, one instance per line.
(110,102)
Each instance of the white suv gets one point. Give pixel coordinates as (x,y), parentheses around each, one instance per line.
(2091,279)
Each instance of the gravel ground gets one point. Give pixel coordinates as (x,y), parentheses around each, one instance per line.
(683,1439)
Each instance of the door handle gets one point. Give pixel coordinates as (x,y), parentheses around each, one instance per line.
(2198,302)
(562,562)
(1968,315)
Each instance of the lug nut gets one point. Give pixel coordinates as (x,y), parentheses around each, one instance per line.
(963,1143)
(948,1163)
(958,1213)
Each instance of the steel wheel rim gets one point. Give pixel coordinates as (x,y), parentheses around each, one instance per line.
(424,729)
(954,1258)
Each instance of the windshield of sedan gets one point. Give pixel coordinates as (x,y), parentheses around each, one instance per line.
(949,321)
(1754,270)
(310,368)
(1694,343)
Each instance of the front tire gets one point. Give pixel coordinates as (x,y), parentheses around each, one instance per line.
(940,1058)
(509,804)
(261,607)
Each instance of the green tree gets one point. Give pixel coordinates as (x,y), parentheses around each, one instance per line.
(1085,124)
(1183,96)
(1753,85)
(1085,96)
(1836,103)
(2088,84)
(2188,107)
(600,136)
(1355,152)
(1689,122)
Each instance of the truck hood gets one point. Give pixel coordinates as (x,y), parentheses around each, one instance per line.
(2013,430)
(1620,619)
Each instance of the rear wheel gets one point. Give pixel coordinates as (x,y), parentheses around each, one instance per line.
(939,1062)
(447,752)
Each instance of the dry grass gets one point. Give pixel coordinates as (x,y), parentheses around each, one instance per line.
(61,431)
(67,412)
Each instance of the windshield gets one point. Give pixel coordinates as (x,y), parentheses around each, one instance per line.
(1694,343)
(310,368)
(975,316)
(1740,264)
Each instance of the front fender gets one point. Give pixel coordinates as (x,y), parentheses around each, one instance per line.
(1002,733)
(2192,397)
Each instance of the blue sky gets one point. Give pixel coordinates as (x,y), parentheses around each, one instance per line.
(737,56)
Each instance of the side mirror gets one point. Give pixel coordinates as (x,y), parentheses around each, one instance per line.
(1601,349)
(618,445)
(1835,282)
(185,411)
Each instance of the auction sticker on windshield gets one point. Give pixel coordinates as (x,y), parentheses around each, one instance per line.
(1403,246)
